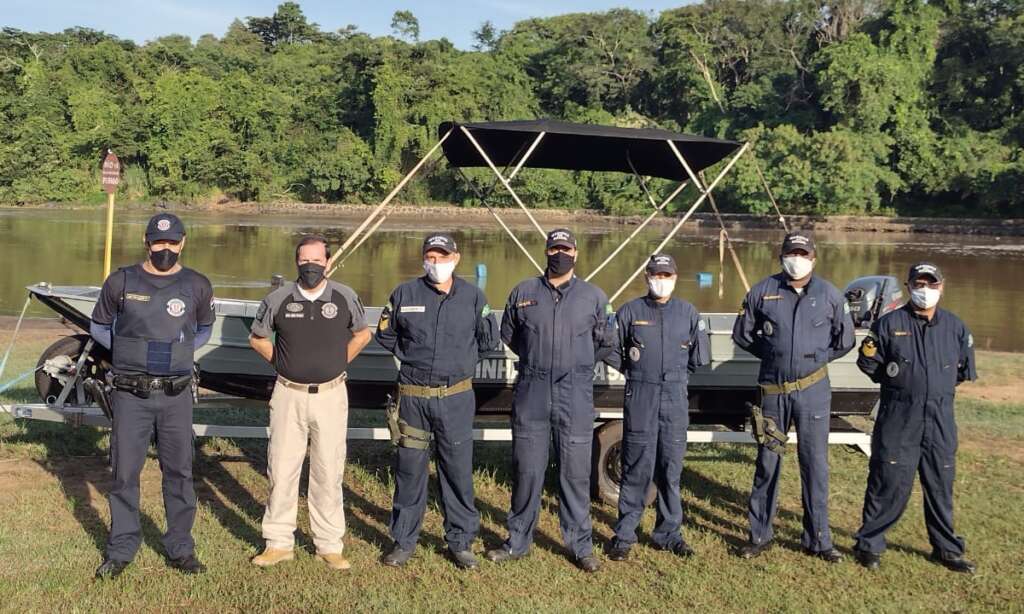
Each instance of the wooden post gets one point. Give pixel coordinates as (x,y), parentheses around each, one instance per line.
(111,177)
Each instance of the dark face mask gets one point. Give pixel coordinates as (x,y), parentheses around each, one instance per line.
(163,260)
(311,274)
(560,263)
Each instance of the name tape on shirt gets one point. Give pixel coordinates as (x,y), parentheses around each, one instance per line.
(142,298)
(528,303)
(412,309)
(901,333)
(772,297)
(641,323)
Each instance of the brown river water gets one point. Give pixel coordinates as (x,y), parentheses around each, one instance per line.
(985,275)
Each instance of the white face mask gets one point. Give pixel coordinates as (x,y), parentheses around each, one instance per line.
(661,287)
(925,298)
(797,267)
(439,272)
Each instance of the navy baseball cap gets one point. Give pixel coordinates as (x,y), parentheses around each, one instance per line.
(661,263)
(560,237)
(440,241)
(924,269)
(798,241)
(165,227)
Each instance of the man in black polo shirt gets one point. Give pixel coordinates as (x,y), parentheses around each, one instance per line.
(319,326)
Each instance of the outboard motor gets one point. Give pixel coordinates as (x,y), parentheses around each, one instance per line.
(872,297)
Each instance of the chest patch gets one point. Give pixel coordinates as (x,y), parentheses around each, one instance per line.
(329,311)
(769,329)
(634,353)
(176,307)
(294,307)
(142,298)
(892,369)
(412,309)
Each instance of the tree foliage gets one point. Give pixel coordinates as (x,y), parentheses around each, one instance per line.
(853,106)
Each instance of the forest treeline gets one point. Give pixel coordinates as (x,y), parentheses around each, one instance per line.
(852,106)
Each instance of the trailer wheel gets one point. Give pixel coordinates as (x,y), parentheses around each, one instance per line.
(48,379)
(606,472)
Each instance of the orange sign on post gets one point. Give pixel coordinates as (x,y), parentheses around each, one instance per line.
(111,177)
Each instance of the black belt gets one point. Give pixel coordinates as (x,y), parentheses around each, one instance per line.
(143,385)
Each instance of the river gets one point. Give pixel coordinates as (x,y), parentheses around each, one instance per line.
(985,285)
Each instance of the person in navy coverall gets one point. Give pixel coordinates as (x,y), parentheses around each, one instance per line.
(559,327)
(659,341)
(796,323)
(919,354)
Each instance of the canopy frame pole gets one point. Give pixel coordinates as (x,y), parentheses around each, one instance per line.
(771,197)
(728,241)
(331,268)
(483,201)
(504,181)
(679,224)
(641,226)
(686,167)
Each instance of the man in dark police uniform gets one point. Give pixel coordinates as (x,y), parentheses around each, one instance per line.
(153,316)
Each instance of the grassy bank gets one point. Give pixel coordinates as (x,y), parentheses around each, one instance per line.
(53,480)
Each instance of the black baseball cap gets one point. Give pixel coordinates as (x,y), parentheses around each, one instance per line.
(440,241)
(165,227)
(923,269)
(661,263)
(798,241)
(561,237)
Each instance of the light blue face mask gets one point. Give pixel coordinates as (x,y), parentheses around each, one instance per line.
(925,298)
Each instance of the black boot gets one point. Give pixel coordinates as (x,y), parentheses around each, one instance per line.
(502,554)
(619,552)
(830,555)
(464,559)
(188,564)
(953,562)
(110,568)
(868,560)
(397,557)
(681,549)
(752,550)
(588,563)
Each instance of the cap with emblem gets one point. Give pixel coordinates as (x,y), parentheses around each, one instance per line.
(441,242)
(661,263)
(560,237)
(924,269)
(164,227)
(797,241)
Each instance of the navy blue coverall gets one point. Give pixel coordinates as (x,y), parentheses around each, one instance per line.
(919,363)
(559,334)
(657,346)
(794,334)
(438,337)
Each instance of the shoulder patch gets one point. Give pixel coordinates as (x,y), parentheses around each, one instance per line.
(846,307)
(608,309)
(701,324)
(486,311)
(970,340)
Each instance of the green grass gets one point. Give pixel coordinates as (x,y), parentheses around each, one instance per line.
(53,524)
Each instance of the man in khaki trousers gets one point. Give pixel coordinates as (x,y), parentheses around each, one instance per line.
(319,326)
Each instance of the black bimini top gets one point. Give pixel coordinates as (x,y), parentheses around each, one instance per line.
(583,147)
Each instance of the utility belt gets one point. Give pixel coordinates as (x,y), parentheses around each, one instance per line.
(405,435)
(435,392)
(144,385)
(801,384)
(313,388)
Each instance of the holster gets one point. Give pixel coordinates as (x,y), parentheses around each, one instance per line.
(142,385)
(402,434)
(101,394)
(766,431)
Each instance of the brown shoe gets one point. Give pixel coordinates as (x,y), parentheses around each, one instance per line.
(335,560)
(272,556)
